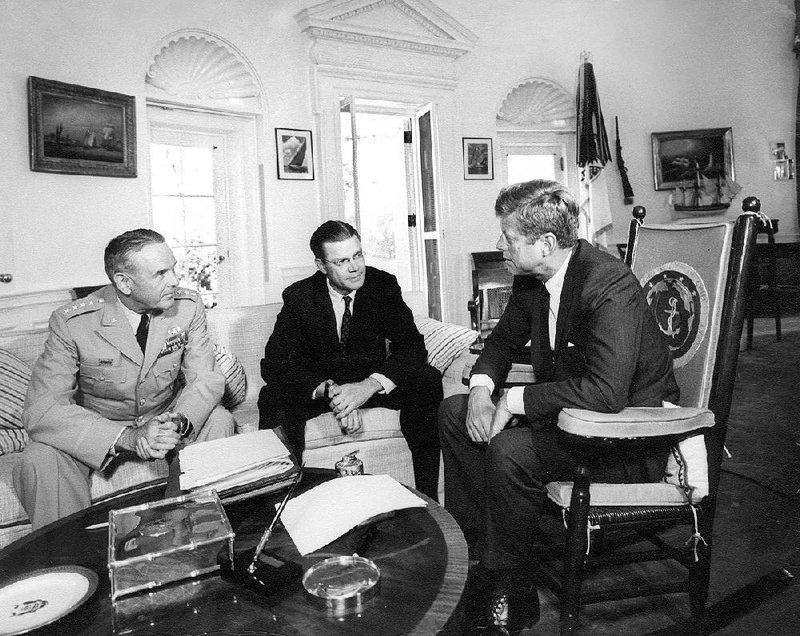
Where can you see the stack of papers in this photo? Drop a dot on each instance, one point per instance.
(326, 512)
(237, 465)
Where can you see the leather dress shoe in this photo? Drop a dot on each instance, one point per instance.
(504, 604)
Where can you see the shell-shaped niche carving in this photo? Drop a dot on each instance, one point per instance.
(536, 101)
(193, 67)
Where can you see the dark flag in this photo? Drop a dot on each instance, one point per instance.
(591, 131)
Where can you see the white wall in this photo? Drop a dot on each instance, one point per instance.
(660, 65)
(58, 225)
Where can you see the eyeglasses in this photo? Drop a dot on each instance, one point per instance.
(358, 257)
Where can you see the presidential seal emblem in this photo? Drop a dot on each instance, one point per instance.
(678, 299)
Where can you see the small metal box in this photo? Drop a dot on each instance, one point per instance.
(165, 541)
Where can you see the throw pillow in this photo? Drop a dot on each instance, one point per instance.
(235, 377)
(444, 341)
(14, 377)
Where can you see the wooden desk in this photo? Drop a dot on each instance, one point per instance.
(774, 286)
(421, 553)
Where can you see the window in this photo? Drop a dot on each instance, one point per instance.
(204, 197)
(184, 211)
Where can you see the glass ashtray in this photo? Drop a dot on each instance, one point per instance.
(343, 584)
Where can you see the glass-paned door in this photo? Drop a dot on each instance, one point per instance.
(387, 178)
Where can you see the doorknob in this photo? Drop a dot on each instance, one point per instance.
(6, 278)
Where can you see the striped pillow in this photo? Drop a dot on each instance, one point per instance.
(444, 341)
(14, 377)
(235, 377)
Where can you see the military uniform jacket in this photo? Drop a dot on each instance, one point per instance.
(93, 378)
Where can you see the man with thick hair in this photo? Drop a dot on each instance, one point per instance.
(127, 371)
(328, 353)
(594, 345)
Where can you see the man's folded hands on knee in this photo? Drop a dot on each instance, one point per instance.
(154, 439)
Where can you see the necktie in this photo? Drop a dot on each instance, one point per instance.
(346, 318)
(544, 337)
(141, 332)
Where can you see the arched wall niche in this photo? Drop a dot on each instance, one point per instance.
(536, 103)
(192, 66)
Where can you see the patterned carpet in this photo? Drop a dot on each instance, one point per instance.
(764, 426)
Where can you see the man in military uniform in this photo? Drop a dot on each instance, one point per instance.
(127, 371)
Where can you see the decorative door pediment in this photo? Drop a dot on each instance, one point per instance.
(415, 30)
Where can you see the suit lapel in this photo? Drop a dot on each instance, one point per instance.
(324, 306)
(115, 328)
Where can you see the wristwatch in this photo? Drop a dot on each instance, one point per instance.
(185, 427)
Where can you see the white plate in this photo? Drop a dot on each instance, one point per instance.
(43, 596)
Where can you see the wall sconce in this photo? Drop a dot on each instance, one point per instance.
(783, 166)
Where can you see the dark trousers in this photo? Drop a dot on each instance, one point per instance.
(496, 491)
(418, 402)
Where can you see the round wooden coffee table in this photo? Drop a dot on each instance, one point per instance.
(421, 553)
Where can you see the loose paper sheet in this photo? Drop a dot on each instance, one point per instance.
(220, 459)
(326, 512)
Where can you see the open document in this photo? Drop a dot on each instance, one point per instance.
(237, 466)
(326, 512)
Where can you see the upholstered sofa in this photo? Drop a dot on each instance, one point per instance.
(242, 332)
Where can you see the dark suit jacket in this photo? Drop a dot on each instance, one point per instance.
(303, 350)
(609, 352)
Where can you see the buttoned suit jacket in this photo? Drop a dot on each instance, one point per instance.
(303, 349)
(609, 352)
(92, 377)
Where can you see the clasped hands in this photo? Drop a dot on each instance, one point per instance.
(484, 418)
(154, 439)
(345, 399)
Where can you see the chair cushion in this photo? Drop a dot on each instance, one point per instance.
(11, 510)
(444, 341)
(686, 474)
(235, 377)
(14, 377)
(646, 494)
(634, 422)
(376, 423)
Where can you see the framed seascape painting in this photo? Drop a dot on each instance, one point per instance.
(688, 156)
(295, 154)
(478, 158)
(79, 130)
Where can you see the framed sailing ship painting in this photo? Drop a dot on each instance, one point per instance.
(295, 154)
(688, 157)
(80, 130)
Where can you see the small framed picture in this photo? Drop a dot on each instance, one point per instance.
(295, 154)
(478, 158)
(79, 130)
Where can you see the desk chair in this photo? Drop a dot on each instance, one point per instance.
(694, 276)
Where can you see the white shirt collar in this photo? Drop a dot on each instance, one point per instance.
(556, 282)
(133, 317)
(336, 297)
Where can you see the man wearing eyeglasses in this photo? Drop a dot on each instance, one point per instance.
(328, 352)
